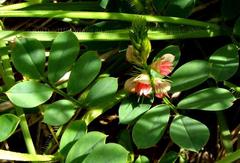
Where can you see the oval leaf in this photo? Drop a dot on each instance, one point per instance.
(63, 53)
(169, 157)
(188, 133)
(189, 75)
(64, 110)
(73, 132)
(84, 146)
(110, 153)
(29, 94)
(9, 123)
(102, 91)
(151, 126)
(224, 62)
(130, 110)
(83, 72)
(28, 57)
(211, 99)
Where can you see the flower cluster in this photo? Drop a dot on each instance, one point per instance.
(143, 85)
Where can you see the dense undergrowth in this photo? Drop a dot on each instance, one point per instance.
(119, 81)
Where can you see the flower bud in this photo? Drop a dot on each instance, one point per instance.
(161, 88)
(133, 55)
(146, 49)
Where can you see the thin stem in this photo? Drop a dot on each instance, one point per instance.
(167, 102)
(224, 132)
(17, 6)
(231, 157)
(117, 35)
(104, 16)
(25, 130)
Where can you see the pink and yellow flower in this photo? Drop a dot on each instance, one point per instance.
(164, 65)
(141, 85)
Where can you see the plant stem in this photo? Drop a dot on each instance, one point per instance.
(16, 156)
(231, 157)
(16, 6)
(115, 35)
(104, 16)
(224, 132)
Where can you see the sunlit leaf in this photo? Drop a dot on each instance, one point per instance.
(28, 94)
(9, 123)
(63, 53)
(64, 110)
(110, 153)
(28, 57)
(83, 72)
(73, 132)
(188, 133)
(150, 127)
(84, 146)
(189, 75)
(129, 110)
(211, 99)
(102, 91)
(224, 62)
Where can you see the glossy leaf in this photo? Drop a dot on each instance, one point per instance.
(188, 133)
(224, 62)
(172, 49)
(64, 110)
(142, 159)
(169, 157)
(63, 53)
(129, 110)
(211, 99)
(179, 8)
(84, 72)
(29, 94)
(84, 146)
(28, 57)
(9, 123)
(73, 132)
(149, 129)
(189, 75)
(110, 153)
(102, 91)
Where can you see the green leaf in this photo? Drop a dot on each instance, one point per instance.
(74, 131)
(149, 129)
(84, 146)
(172, 49)
(142, 159)
(29, 94)
(179, 8)
(125, 140)
(211, 99)
(102, 91)
(189, 75)
(188, 133)
(129, 110)
(9, 123)
(169, 157)
(230, 8)
(28, 57)
(236, 28)
(110, 153)
(63, 53)
(84, 72)
(64, 110)
(224, 62)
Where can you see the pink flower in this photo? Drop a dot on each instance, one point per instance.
(161, 88)
(164, 65)
(140, 85)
